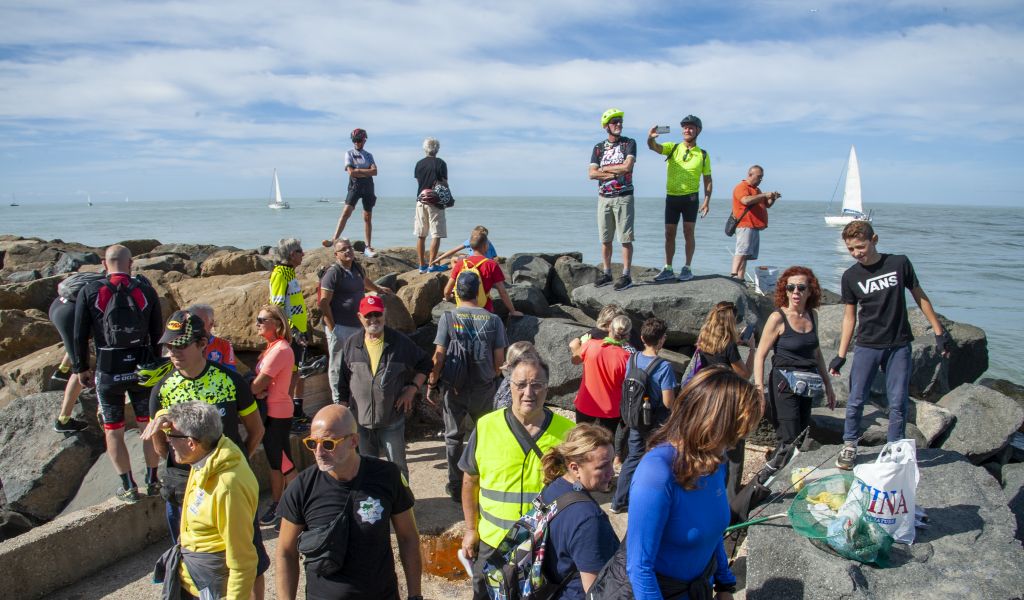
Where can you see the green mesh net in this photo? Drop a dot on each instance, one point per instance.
(822, 513)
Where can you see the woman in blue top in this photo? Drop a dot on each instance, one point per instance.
(678, 509)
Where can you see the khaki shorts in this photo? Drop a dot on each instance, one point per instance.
(748, 242)
(429, 219)
(615, 216)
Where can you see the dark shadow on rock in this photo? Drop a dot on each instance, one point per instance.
(950, 520)
(435, 515)
(778, 588)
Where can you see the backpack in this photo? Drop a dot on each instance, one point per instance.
(465, 357)
(456, 359)
(123, 324)
(481, 294)
(514, 570)
(637, 394)
(69, 287)
(696, 364)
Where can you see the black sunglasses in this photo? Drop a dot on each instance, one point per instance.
(262, 320)
(796, 286)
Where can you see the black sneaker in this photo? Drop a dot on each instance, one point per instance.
(129, 496)
(153, 488)
(603, 279)
(269, 517)
(72, 426)
(454, 492)
(847, 457)
(59, 377)
(623, 283)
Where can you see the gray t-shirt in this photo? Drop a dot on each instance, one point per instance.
(475, 324)
(347, 287)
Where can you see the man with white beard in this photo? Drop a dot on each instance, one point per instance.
(381, 374)
(346, 557)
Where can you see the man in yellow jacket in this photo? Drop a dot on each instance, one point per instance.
(218, 558)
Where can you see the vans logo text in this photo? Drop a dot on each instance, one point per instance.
(880, 282)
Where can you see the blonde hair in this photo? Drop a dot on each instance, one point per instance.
(620, 328)
(719, 329)
(581, 441)
(284, 328)
(608, 312)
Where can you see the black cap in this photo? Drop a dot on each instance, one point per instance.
(182, 329)
(467, 285)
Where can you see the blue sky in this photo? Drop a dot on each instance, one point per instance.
(182, 100)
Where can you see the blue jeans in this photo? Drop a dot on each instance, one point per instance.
(472, 402)
(895, 362)
(389, 440)
(636, 442)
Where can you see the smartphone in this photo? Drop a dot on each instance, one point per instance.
(747, 332)
(660, 129)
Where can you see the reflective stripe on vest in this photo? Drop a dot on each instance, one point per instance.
(509, 479)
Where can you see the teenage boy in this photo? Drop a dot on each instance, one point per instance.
(874, 288)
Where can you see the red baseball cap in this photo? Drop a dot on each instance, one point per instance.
(371, 304)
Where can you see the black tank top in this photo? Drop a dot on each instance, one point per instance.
(795, 350)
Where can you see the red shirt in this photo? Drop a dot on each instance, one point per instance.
(604, 369)
(490, 274)
(757, 218)
(219, 350)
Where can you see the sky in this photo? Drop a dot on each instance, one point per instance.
(202, 100)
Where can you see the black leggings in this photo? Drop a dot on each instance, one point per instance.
(62, 314)
(277, 443)
(788, 413)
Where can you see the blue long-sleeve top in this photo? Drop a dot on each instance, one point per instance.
(672, 531)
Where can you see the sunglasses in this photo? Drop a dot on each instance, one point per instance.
(615, 121)
(167, 432)
(790, 287)
(262, 320)
(329, 444)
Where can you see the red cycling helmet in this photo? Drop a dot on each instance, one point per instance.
(358, 135)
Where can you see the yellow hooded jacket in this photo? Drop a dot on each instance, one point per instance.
(217, 516)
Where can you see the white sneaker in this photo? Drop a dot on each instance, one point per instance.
(369, 252)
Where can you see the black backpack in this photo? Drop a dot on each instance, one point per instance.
(464, 359)
(636, 393)
(123, 323)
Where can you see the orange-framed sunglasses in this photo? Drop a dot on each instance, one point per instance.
(329, 443)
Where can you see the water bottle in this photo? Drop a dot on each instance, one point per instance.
(645, 412)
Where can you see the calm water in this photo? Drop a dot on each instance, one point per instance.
(969, 260)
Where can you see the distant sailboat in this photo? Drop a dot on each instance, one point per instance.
(88, 198)
(853, 210)
(276, 202)
(14, 200)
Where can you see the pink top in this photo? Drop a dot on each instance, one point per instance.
(277, 361)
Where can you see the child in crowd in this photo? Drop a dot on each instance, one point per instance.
(466, 248)
(874, 288)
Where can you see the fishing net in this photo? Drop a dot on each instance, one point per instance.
(823, 513)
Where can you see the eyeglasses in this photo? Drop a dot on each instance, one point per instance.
(178, 436)
(329, 444)
(790, 287)
(374, 315)
(262, 320)
(534, 386)
(615, 121)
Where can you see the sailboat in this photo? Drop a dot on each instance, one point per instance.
(853, 210)
(276, 202)
(88, 198)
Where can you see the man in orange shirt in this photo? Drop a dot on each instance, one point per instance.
(750, 206)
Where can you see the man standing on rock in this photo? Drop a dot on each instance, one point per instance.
(361, 169)
(122, 315)
(429, 218)
(286, 292)
(611, 164)
(349, 557)
(686, 164)
(381, 373)
(750, 205)
(480, 337)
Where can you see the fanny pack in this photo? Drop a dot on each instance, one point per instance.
(324, 548)
(802, 383)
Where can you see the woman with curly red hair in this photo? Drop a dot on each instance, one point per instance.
(798, 372)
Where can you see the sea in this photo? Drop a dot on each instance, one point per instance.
(969, 259)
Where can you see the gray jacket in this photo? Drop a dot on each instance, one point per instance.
(372, 397)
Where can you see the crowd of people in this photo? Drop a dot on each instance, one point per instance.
(506, 451)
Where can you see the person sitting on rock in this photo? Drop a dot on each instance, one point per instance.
(490, 274)
(466, 247)
(218, 349)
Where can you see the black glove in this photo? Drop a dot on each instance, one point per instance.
(943, 341)
(837, 363)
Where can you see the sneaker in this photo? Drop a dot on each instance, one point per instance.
(685, 274)
(424, 269)
(269, 517)
(603, 279)
(313, 367)
(454, 492)
(59, 377)
(438, 268)
(130, 496)
(153, 488)
(72, 426)
(618, 510)
(847, 457)
(369, 252)
(666, 274)
(623, 283)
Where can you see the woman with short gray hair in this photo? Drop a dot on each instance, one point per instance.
(429, 218)
(197, 420)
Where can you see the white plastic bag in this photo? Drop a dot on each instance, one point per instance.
(890, 486)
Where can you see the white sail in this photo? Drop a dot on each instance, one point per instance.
(277, 203)
(851, 192)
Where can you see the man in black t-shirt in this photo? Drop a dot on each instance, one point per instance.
(611, 164)
(874, 290)
(429, 219)
(375, 496)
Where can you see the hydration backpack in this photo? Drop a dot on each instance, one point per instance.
(638, 394)
(69, 287)
(514, 571)
(481, 294)
(123, 323)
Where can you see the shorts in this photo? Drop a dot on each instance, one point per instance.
(111, 390)
(429, 219)
(62, 315)
(277, 444)
(615, 216)
(685, 206)
(361, 191)
(748, 242)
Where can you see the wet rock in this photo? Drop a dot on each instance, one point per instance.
(237, 262)
(551, 337)
(985, 420)
(29, 374)
(389, 281)
(967, 552)
(36, 294)
(528, 299)
(24, 332)
(1013, 489)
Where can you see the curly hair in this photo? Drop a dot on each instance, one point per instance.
(715, 410)
(813, 289)
(719, 328)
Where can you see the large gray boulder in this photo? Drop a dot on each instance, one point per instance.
(985, 420)
(167, 262)
(531, 270)
(569, 274)
(968, 551)
(683, 305)
(1007, 388)
(1013, 489)
(827, 426)
(195, 252)
(551, 337)
(43, 469)
(527, 299)
(71, 261)
(931, 419)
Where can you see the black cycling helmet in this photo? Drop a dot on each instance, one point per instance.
(691, 120)
(358, 135)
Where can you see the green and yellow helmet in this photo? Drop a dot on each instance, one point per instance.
(610, 114)
(151, 373)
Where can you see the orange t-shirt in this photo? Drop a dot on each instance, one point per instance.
(757, 218)
(219, 350)
(604, 369)
(277, 361)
